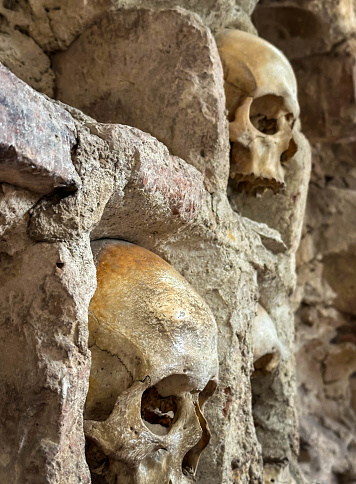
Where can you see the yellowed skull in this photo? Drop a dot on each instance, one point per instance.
(261, 99)
(154, 364)
(267, 347)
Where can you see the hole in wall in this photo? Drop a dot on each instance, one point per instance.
(304, 455)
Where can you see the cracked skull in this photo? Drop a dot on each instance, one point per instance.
(261, 99)
(154, 364)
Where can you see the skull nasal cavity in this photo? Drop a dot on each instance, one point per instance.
(264, 112)
(158, 412)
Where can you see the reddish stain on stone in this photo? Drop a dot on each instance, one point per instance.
(180, 185)
(36, 137)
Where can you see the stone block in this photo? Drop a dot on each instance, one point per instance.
(44, 362)
(36, 139)
(27, 61)
(15, 202)
(157, 71)
(53, 25)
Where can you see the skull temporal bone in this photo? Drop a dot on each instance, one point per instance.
(261, 99)
(154, 363)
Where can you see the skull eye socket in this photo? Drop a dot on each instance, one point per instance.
(265, 111)
(263, 124)
(157, 412)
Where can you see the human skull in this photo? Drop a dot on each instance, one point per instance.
(261, 99)
(267, 347)
(153, 342)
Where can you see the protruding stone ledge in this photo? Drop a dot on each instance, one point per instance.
(36, 138)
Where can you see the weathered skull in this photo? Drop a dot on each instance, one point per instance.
(261, 99)
(267, 347)
(154, 364)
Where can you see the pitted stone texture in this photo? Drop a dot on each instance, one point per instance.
(36, 139)
(129, 172)
(215, 14)
(157, 71)
(275, 415)
(231, 290)
(326, 375)
(169, 191)
(52, 25)
(26, 59)
(319, 38)
(45, 292)
(14, 204)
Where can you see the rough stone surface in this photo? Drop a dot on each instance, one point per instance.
(276, 423)
(326, 319)
(44, 371)
(31, 31)
(107, 167)
(321, 46)
(54, 25)
(215, 14)
(36, 139)
(132, 63)
(133, 187)
(26, 59)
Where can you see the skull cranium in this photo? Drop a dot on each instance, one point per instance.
(154, 364)
(261, 99)
(267, 347)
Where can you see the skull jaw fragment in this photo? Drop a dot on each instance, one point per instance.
(261, 99)
(154, 364)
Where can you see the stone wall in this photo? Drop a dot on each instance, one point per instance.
(71, 173)
(319, 39)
